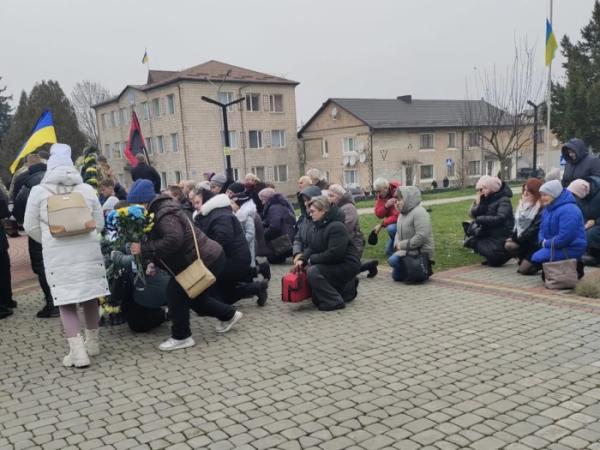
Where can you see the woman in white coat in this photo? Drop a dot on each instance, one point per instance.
(74, 264)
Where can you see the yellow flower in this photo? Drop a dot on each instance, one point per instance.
(122, 212)
(148, 228)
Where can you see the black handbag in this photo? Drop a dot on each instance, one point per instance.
(281, 245)
(372, 240)
(416, 266)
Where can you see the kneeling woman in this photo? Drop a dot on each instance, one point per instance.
(562, 233)
(413, 230)
(331, 257)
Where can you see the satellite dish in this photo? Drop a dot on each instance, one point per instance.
(352, 160)
(334, 112)
(362, 157)
(346, 160)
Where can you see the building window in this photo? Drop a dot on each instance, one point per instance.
(426, 172)
(160, 144)
(232, 139)
(349, 145)
(255, 139)
(280, 174)
(116, 149)
(171, 104)
(426, 141)
(276, 103)
(451, 140)
(145, 111)
(252, 102)
(450, 170)
(236, 174)
(107, 151)
(122, 152)
(351, 178)
(226, 97)
(541, 135)
(104, 122)
(163, 180)
(156, 107)
(149, 145)
(113, 119)
(175, 142)
(474, 140)
(177, 177)
(474, 168)
(324, 148)
(259, 171)
(278, 138)
(123, 116)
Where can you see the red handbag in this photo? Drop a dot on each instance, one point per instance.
(295, 287)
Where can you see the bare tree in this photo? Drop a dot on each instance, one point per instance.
(85, 94)
(501, 119)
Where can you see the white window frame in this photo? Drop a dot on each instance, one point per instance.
(171, 103)
(272, 103)
(104, 121)
(156, 108)
(174, 142)
(324, 148)
(178, 176)
(478, 138)
(452, 147)
(108, 151)
(160, 144)
(259, 137)
(356, 176)
(164, 180)
(346, 146)
(421, 172)
(227, 97)
(113, 119)
(448, 174)
(249, 101)
(233, 144)
(255, 171)
(281, 133)
(150, 145)
(277, 173)
(469, 168)
(145, 111)
(236, 173)
(116, 150)
(421, 147)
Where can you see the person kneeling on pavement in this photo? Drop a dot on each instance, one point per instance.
(562, 233)
(413, 231)
(492, 223)
(330, 257)
(587, 196)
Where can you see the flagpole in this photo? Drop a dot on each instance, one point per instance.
(548, 102)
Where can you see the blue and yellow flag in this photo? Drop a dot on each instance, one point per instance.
(43, 133)
(551, 44)
(145, 58)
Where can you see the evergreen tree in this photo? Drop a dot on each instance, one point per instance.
(5, 110)
(576, 104)
(15, 137)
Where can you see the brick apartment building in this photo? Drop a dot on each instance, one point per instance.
(184, 135)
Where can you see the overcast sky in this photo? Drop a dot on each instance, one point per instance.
(334, 48)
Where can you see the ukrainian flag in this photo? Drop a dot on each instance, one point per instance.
(43, 133)
(551, 44)
(145, 58)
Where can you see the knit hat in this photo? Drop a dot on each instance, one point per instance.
(218, 180)
(552, 188)
(60, 156)
(236, 188)
(492, 183)
(580, 188)
(554, 174)
(311, 191)
(142, 191)
(266, 194)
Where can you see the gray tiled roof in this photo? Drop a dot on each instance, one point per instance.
(398, 113)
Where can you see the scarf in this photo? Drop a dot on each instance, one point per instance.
(525, 215)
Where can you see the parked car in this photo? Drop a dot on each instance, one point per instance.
(529, 172)
(357, 194)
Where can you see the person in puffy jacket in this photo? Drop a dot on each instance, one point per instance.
(414, 231)
(304, 226)
(330, 257)
(562, 233)
(170, 245)
(6, 297)
(493, 221)
(587, 196)
(278, 221)
(386, 210)
(580, 163)
(523, 242)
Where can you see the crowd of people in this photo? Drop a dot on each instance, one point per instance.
(238, 229)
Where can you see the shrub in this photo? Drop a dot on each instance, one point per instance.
(590, 289)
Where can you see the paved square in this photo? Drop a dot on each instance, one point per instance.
(469, 360)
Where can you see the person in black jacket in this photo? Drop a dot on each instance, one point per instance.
(493, 221)
(144, 171)
(279, 222)
(6, 301)
(524, 242)
(217, 221)
(36, 172)
(587, 195)
(580, 163)
(331, 257)
(253, 186)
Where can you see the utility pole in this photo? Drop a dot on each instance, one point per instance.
(226, 149)
(535, 134)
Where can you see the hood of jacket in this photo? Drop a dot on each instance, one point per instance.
(411, 196)
(563, 199)
(594, 186)
(334, 214)
(63, 175)
(347, 199)
(39, 167)
(218, 201)
(578, 146)
(163, 204)
(277, 199)
(247, 209)
(310, 192)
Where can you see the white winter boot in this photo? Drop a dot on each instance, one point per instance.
(92, 343)
(77, 356)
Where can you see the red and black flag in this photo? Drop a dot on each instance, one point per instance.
(136, 143)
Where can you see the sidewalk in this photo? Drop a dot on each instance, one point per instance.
(20, 267)
(477, 358)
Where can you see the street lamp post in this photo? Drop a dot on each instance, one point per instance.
(226, 149)
(535, 134)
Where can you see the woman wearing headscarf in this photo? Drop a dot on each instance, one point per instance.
(278, 222)
(587, 196)
(562, 233)
(523, 242)
(493, 221)
(78, 278)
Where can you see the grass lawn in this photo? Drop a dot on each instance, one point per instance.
(447, 234)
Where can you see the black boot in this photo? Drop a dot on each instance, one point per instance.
(48, 311)
(265, 270)
(262, 293)
(5, 312)
(371, 266)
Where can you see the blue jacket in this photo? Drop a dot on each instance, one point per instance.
(562, 227)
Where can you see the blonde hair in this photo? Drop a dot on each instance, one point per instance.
(320, 202)
(337, 189)
(380, 184)
(314, 174)
(251, 177)
(304, 178)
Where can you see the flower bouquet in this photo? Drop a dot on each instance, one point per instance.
(129, 225)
